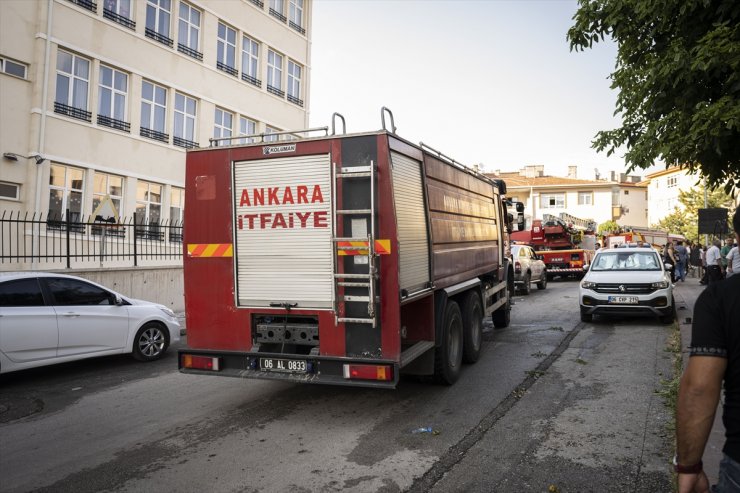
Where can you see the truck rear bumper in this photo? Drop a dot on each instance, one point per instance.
(327, 370)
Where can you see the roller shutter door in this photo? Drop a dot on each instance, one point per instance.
(283, 228)
(408, 195)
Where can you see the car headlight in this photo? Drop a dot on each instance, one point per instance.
(588, 285)
(167, 311)
(659, 285)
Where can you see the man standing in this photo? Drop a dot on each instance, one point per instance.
(723, 255)
(681, 261)
(733, 261)
(714, 356)
(714, 268)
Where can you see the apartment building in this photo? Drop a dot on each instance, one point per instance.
(102, 99)
(617, 197)
(664, 188)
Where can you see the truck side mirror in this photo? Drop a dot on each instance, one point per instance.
(520, 221)
(509, 222)
(520, 207)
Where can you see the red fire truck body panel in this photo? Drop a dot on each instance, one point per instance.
(280, 285)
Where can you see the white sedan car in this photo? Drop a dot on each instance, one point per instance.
(627, 281)
(50, 318)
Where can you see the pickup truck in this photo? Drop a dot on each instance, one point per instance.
(528, 268)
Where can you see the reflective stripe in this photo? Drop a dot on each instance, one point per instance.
(210, 249)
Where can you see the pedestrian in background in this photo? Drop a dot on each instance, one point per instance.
(669, 257)
(695, 258)
(733, 261)
(723, 255)
(714, 267)
(704, 277)
(682, 258)
(714, 357)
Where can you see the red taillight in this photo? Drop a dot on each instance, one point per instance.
(517, 266)
(199, 362)
(369, 372)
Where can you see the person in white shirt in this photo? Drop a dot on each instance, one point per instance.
(733, 261)
(714, 270)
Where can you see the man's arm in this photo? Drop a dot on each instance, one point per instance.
(698, 397)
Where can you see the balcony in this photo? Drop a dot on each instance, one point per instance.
(189, 52)
(106, 121)
(152, 34)
(86, 4)
(295, 100)
(124, 21)
(278, 15)
(252, 80)
(297, 27)
(187, 144)
(78, 113)
(154, 135)
(275, 91)
(258, 3)
(227, 68)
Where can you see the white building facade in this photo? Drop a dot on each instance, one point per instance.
(664, 188)
(103, 99)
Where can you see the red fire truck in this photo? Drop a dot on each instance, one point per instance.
(565, 242)
(340, 259)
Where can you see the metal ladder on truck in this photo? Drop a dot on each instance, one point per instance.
(365, 246)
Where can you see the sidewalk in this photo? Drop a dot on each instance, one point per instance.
(685, 294)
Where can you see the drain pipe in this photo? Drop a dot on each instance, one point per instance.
(44, 97)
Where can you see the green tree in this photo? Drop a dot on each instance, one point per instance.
(608, 227)
(684, 220)
(678, 76)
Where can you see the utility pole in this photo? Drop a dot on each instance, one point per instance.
(706, 205)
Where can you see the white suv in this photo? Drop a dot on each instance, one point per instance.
(627, 281)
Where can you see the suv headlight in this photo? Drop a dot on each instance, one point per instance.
(659, 285)
(588, 285)
(168, 312)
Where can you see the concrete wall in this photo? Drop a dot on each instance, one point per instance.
(156, 284)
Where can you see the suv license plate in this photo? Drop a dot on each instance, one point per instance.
(624, 300)
(283, 365)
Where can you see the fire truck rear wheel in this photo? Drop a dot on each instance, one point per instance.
(472, 318)
(448, 355)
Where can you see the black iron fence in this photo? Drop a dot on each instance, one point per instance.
(26, 238)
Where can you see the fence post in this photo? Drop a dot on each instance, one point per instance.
(69, 225)
(136, 264)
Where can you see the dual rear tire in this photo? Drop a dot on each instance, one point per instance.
(462, 337)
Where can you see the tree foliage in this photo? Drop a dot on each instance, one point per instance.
(608, 227)
(685, 220)
(678, 76)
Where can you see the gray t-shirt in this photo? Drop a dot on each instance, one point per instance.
(682, 254)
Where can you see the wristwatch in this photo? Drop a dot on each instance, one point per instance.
(681, 469)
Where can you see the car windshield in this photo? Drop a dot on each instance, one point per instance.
(626, 261)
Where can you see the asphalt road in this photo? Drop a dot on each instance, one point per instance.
(118, 425)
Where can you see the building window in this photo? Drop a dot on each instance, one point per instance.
(270, 134)
(247, 127)
(189, 31)
(177, 207)
(615, 198)
(148, 210)
(250, 61)
(73, 75)
(153, 111)
(65, 194)
(112, 99)
(275, 73)
(277, 10)
(119, 11)
(226, 49)
(158, 20)
(295, 15)
(10, 191)
(223, 125)
(552, 201)
(294, 83)
(626, 192)
(13, 68)
(105, 185)
(184, 126)
(585, 198)
(672, 181)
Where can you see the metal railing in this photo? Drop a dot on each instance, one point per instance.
(32, 238)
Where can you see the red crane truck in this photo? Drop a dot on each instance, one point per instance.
(566, 243)
(340, 259)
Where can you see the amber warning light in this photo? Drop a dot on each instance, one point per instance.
(200, 362)
(368, 372)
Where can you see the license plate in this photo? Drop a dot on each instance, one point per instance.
(283, 365)
(624, 300)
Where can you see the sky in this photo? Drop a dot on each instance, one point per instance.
(490, 82)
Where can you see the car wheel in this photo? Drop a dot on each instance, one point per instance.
(151, 342)
(448, 355)
(671, 316)
(586, 317)
(527, 288)
(543, 281)
(472, 319)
